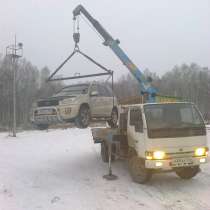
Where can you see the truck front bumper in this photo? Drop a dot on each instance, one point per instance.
(174, 163)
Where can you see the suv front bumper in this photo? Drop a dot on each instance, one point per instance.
(46, 115)
(54, 115)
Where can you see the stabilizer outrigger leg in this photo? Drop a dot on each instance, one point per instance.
(110, 176)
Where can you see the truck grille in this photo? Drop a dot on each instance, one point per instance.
(179, 155)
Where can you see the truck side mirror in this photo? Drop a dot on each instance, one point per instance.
(94, 93)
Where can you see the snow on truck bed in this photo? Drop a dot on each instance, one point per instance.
(62, 170)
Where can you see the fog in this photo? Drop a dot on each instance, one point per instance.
(154, 34)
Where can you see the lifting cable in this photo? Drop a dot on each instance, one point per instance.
(76, 37)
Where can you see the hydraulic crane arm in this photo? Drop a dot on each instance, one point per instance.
(144, 85)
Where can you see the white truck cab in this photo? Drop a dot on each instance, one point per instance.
(159, 137)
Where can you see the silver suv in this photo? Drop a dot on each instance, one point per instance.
(79, 103)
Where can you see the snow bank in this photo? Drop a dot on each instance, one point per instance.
(62, 170)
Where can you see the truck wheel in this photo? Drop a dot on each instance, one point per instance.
(187, 172)
(114, 117)
(138, 171)
(105, 152)
(42, 127)
(83, 118)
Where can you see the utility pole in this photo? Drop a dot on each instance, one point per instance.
(14, 51)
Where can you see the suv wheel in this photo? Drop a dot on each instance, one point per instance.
(114, 117)
(83, 118)
(42, 126)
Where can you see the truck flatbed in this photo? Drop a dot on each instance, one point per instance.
(103, 134)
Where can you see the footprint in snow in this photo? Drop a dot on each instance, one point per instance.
(55, 199)
(7, 192)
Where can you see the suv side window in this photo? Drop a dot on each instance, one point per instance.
(93, 88)
(136, 119)
(108, 91)
(102, 91)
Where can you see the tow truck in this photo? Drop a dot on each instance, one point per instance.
(159, 135)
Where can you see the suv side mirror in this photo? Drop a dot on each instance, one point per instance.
(94, 93)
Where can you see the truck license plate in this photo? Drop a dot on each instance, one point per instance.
(180, 162)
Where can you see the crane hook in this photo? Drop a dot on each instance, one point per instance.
(76, 37)
(76, 34)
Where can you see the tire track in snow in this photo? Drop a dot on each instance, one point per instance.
(174, 197)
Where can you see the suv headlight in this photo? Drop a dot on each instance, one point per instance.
(201, 151)
(67, 101)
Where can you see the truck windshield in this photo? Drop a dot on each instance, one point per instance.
(73, 90)
(172, 115)
(169, 120)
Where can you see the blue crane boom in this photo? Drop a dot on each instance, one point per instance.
(144, 84)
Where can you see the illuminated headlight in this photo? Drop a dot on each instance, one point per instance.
(156, 155)
(202, 151)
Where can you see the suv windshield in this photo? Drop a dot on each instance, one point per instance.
(73, 90)
(170, 119)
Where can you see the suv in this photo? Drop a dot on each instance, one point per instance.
(77, 103)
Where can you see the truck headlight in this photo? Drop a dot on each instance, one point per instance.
(159, 155)
(202, 151)
(156, 155)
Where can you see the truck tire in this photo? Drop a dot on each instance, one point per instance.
(105, 152)
(138, 172)
(83, 118)
(42, 126)
(114, 117)
(187, 172)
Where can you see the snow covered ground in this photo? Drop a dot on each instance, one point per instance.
(62, 170)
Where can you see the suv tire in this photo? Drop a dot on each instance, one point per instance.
(83, 118)
(114, 117)
(42, 126)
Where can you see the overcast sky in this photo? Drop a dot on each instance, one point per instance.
(155, 34)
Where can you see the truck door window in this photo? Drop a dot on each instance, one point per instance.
(136, 119)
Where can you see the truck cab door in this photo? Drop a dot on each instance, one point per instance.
(135, 130)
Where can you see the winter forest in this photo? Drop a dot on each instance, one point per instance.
(190, 82)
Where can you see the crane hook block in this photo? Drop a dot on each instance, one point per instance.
(76, 37)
